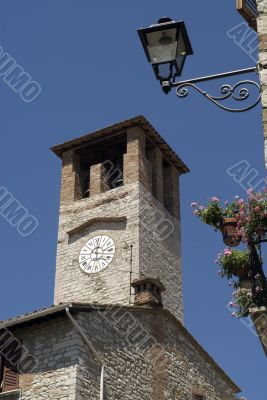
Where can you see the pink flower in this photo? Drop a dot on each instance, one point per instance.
(249, 191)
(226, 202)
(257, 209)
(258, 289)
(240, 201)
(227, 252)
(215, 199)
(257, 276)
(194, 204)
(231, 304)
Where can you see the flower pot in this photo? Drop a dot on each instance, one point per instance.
(245, 283)
(242, 272)
(228, 229)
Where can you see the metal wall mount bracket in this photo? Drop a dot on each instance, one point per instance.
(239, 92)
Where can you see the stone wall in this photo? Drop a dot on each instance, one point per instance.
(111, 285)
(147, 355)
(262, 32)
(160, 250)
(153, 232)
(56, 346)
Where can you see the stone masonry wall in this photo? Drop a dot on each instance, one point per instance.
(56, 346)
(160, 250)
(111, 285)
(145, 227)
(262, 32)
(147, 355)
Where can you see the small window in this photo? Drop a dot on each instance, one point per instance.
(199, 397)
(9, 364)
(9, 376)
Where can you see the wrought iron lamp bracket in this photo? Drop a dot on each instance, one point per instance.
(237, 92)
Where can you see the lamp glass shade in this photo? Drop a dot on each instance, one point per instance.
(162, 46)
(181, 53)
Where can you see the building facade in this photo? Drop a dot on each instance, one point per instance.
(262, 33)
(116, 329)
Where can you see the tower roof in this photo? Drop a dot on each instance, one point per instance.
(112, 129)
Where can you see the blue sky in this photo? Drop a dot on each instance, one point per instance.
(87, 57)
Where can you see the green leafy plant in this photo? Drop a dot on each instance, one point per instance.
(214, 212)
(260, 298)
(232, 261)
(251, 215)
(243, 302)
(250, 226)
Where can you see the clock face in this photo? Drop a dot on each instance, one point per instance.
(97, 254)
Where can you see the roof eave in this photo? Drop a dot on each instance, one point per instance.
(136, 121)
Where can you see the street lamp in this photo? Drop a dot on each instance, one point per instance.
(167, 45)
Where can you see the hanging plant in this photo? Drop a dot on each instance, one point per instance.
(221, 218)
(252, 217)
(239, 220)
(234, 263)
(242, 302)
(243, 299)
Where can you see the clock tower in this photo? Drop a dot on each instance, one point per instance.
(119, 216)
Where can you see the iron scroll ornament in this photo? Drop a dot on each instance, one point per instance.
(236, 92)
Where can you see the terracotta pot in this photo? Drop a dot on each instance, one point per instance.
(245, 283)
(242, 273)
(228, 229)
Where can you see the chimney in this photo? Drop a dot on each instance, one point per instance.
(148, 292)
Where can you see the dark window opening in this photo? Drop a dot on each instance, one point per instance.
(150, 156)
(109, 153)
(113, 172)
(168, 189)
(9, 375)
